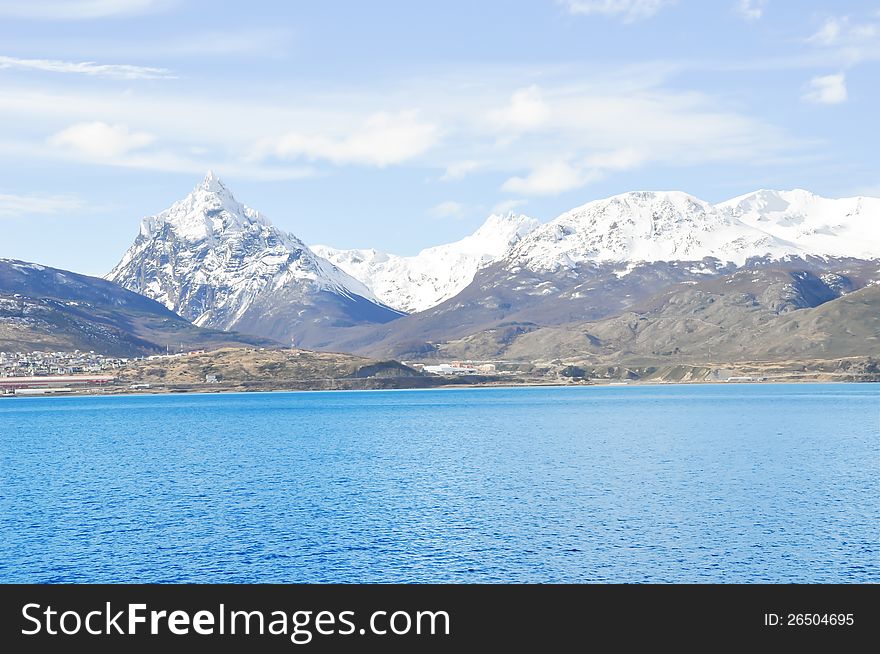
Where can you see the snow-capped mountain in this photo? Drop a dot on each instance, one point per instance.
(621, 254)
(831, 227)
(223, 265)
(435, 274)
(673, 226)
(645, 227)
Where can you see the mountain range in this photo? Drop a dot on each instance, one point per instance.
(638, 276)
(622, 254)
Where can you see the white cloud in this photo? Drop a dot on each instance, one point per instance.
(829, 33)
(460, 170)
(600, 124)
(629, 10)
(383, 139)
(559, 176)
(595, 130)
(866, 32)
(78, 9)
(506, 206)
(827, 89)
(24, 205)
(97, 139)
(617, 159)
(448, 209)
(750, 9)
(241, 41)
(549, 179)
(119, 71)
(269, 43)
(526, 110)
(841, 31)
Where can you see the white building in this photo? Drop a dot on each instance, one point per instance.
(446, 369)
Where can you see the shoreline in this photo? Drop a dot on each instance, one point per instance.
(249, 371)
(440, 387)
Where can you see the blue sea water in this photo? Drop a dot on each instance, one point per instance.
(717, 483)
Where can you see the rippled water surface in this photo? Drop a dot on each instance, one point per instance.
(730, 483)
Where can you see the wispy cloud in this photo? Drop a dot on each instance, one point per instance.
(526, 110)
(506, 206)
(25, 205)
(97, 139)
(750, 9)
(843, 43)
(270, 43)
(828, 34)
(190, 161)
(841, 30)
(592, 132)
(827, 89)
(118, 71)
(550, 179)
(267, 42)
(460, 170)
(448, 209)
(629, 10)
(79, 9)
(383, 139)
(573, 134)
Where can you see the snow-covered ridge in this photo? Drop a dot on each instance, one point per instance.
(209, 257)
(674, 226)
(831, 227)
(435, 274)
(21, 265)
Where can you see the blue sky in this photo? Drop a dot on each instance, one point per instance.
(400, 125)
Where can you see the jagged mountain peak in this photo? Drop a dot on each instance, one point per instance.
(213, 189)
(209, 210)
(212, 183)
(223, 264)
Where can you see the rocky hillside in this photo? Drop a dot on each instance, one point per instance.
(44, 309)
(276, 368)
(764, 314)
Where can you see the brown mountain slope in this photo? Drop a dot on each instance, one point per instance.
(751, 315)
(47, 309)
(484, 319)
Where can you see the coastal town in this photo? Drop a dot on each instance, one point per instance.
(43, 364)
(42, 373)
